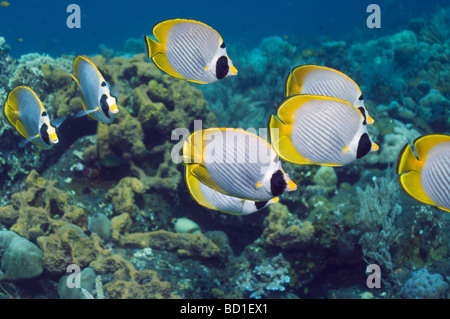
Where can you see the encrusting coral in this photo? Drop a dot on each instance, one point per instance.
(284, 230)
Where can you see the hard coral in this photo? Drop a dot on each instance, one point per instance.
(284, 230)
(186, 245)
(42, 208)
(122, 196)
(68, 245)
(128, 282)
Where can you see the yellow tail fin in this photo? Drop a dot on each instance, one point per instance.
(153, 47)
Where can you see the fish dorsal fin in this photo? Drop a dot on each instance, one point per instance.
(294, 81)
(76, 80)
(78, 60)
(425, 143)
(193, 185)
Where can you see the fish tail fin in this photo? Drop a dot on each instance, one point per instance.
(281, 142)
(408, 170)
(407, 161)
(153, 47)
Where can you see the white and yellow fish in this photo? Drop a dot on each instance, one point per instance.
(320, 80)
(212, 199)
(25, 112)
(321, 130)
(99, 100)
(236, 163)
(190, 50)
(427, 176)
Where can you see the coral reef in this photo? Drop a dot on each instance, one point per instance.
(423, 285)
(266, 279)
(375, 221)
(285, 231)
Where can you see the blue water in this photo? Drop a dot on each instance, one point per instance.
(42, 24)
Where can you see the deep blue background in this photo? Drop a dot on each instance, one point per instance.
(42, 24)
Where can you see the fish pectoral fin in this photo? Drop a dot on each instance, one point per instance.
(258, 185)
(24, 142)
(57, 122)
(375, 147)
(345, 150)
(86, 112)
(369, 120)
(115, 90)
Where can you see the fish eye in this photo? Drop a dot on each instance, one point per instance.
(44, 113)
(364, 146)
(222, 67)
(103, 83)
(361, 97)
(222, 45)
(277, 183)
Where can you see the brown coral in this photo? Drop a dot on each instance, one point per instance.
(68, 245)
(42, 208)
(130, 283)
(283, 230)
(186, 245)
(122, 196)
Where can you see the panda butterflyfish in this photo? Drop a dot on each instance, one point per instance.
(321, 130)
(25, 112)
(99, 100)
(236, 163)
(212, 199)
(189, 50)
(320, 80)
(427, 176)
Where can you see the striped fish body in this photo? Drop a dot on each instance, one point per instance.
(26, 113)
(426, 177)
(95, 92)
(215, 200)
(237, 163)
(190, 50)
(435, 176)
(319, 80)
(320, 130)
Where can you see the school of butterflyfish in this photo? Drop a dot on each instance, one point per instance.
(321, 121)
